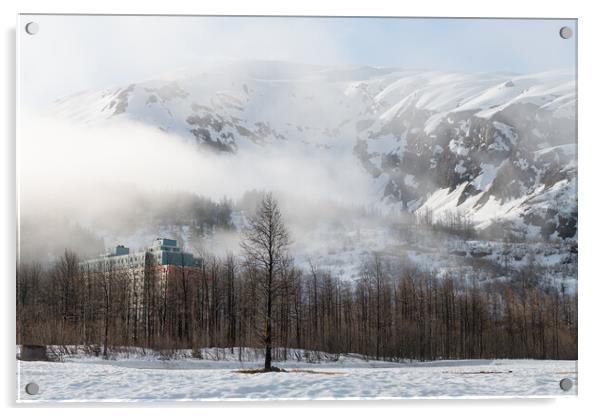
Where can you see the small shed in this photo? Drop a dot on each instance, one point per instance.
(34, 353)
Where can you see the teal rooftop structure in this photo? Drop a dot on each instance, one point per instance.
(163, 251)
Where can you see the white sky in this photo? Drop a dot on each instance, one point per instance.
(75, 53)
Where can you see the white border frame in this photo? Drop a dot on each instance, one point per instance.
(590, 199)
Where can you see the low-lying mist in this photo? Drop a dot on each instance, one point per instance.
(89, 187)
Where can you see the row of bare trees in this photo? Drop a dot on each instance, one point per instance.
(386, 315)
(261, 299)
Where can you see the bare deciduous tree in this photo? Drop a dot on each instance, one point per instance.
(265, 244)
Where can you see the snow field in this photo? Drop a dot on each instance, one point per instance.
(188, 380)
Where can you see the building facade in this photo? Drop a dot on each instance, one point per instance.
(150, 280)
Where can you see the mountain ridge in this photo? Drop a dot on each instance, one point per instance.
(497, 148)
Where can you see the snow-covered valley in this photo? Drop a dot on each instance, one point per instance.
(264, 208)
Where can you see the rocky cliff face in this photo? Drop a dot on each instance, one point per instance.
(498, 148)
(519, 163)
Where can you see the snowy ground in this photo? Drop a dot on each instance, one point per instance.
(137, 379)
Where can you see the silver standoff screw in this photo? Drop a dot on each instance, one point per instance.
(566, 32)
(32, 388)
(566, 384)
(32, 28)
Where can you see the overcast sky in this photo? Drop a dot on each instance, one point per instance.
(75, 53)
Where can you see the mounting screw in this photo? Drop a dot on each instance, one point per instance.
(32, 28)
(32, 388)
(566, 32)
(566, 384)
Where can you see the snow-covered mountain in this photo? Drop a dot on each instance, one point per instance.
(499, 147)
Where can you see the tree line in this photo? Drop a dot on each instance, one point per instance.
(394, 311)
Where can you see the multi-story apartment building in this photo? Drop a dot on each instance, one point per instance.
(151, 279)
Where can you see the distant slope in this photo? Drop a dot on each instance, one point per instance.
(500, 148)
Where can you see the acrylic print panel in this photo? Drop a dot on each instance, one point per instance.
(285, 207)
